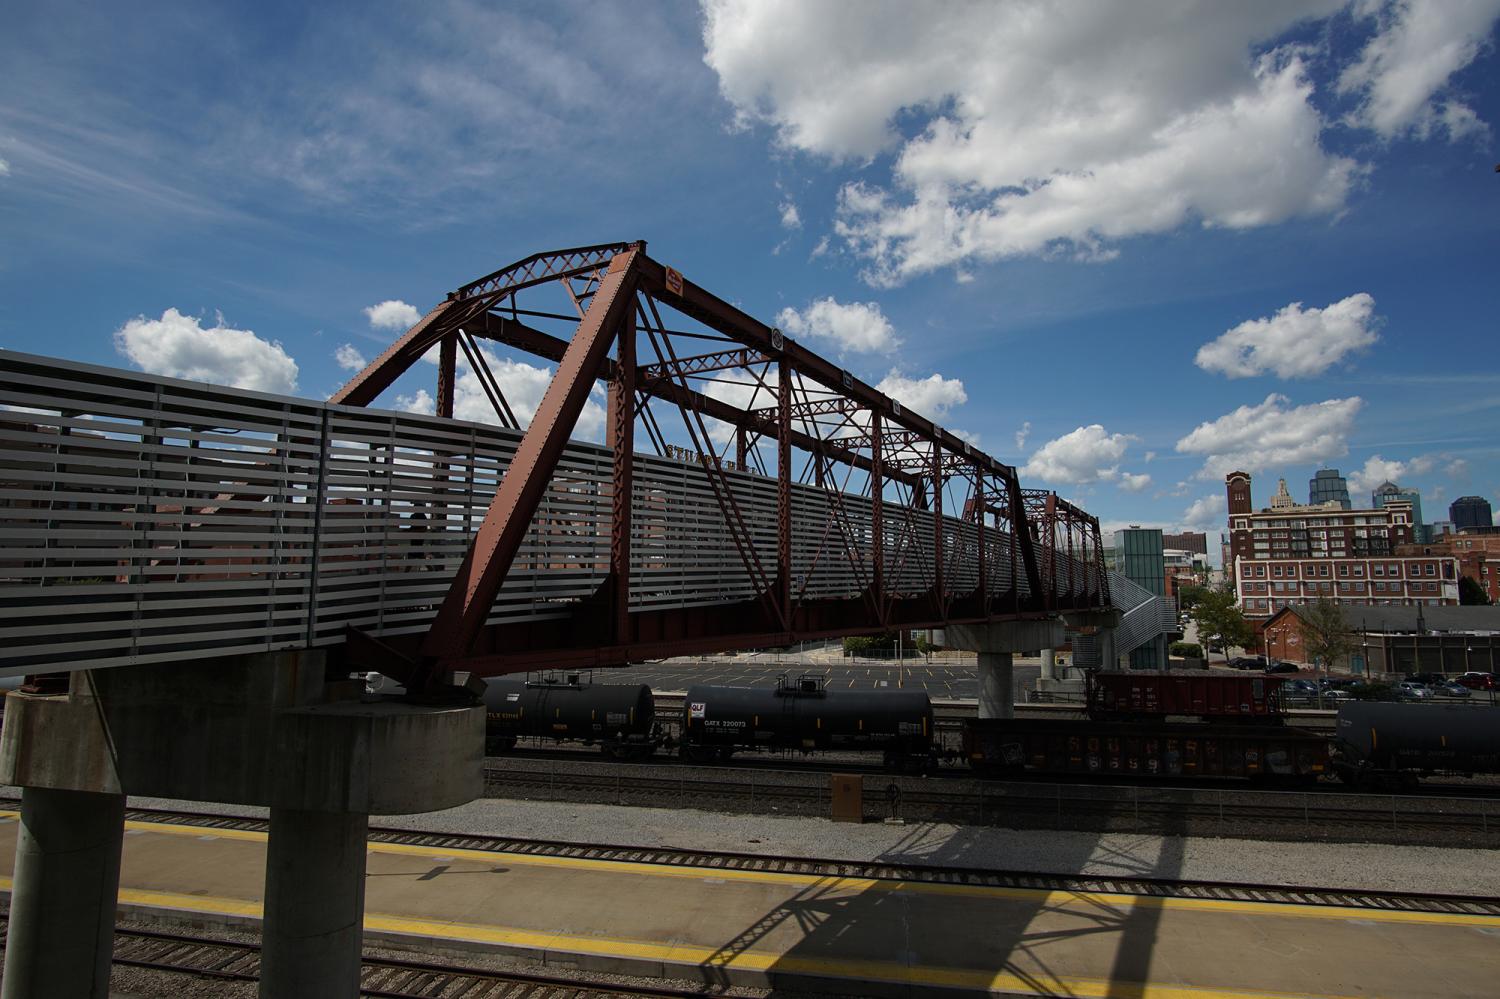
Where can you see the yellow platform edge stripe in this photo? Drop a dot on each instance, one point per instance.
(1038, 896)
(714, 958)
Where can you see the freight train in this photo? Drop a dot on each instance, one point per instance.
(1140, 724)
(1156, 725)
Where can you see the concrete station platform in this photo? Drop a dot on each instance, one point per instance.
(844, 935)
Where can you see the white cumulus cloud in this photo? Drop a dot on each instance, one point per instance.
(1207, 513)
(1295, 342)
(523, 385)
(1134, 482)
(393, 314)
(933, 397)
(421, 403)
(853, 326)
(1035, 128)
(1401, 77)
(790, 217)
(1378, 470)
(182, 347)
(349, 358)
(1088, 454)
(1022, 434)
(1272, 433)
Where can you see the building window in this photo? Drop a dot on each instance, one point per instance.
(1344, 569)
(1359, 571)
(1276, 570)
(1429, 569)
(1260, 572)
(1379, 570)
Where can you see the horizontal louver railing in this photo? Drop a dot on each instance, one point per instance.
(150, 519)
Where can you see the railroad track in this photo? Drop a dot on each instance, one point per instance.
(1264, 814)
(771, 765)
(882, 870)
(387, 978)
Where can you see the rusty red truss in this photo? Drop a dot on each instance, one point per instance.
(806, 504)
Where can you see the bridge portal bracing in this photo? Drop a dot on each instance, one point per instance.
(748, 493)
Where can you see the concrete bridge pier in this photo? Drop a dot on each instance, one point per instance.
(995, 645)
(1049, 664)
(268, 730)
(62, 899)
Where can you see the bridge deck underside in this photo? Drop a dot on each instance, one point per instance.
(148, 519)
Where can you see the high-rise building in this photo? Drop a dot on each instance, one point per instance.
(1471, 511)
(1388, 492)
(1328, 485)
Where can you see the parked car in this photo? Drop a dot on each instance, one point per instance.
(1337, 694)
(1409, 690)
(1281, 668)
(1478, 681)
(1425, 679)
(1450, 688)
(1337, 682)
(1248, 662)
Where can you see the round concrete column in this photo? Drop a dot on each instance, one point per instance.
(1049, 664)
(315, 904)
(997, 690)
(62, 903)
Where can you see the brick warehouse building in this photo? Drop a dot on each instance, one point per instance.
(1394, 641)
(1296, 553)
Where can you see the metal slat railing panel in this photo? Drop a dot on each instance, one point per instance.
(160, 519)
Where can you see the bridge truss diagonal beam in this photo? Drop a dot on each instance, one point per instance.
(885, 522)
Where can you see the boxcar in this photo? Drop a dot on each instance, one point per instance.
(1211, 696)
(801, 715)
(1044, 747)
(619, 717)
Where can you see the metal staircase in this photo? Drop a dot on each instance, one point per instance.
(1146, 616)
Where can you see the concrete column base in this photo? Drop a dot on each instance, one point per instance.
(315, 903)
(1049, 664)
(997, 687)
(61, 936)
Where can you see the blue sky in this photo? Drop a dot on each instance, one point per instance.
(1136, 243)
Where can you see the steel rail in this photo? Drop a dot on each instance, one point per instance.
(883, 870)
(384, 977)
(1241, 814)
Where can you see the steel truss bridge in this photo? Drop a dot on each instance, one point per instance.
(748, 493)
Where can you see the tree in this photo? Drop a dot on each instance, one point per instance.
(1220, 623)
(1471, 594)
(1326, 636)
(1188, 597)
